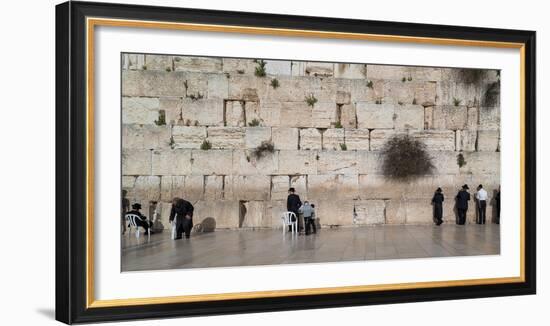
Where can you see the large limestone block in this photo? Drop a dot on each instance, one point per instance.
(297, 162)
(470, 75)
(152, 83)
(408, 92)
(197, 64)
(489, 118)
(419, 211)
(255, 214)
(188, 137)
(171, 106)
(278, 67)
(371, 116)
(213, 161)
(299, 183)
(323, 114)
(285, 138)
(319, 69)
(136, 162)
(376, 186)
(298, 68)
(473, 118)
(370, 162)
(196, 84)
(172, 186)
(194, 188)
(379, 137)
(279, 187)
(488, 140)
(357, 139)
(397, 73)
(450, 117)
(140, 110)
(226, 137)
(436, 140)
(147, 188)
(296, 114)
(338, 162)
(409, 117)
(396, 211)
(277, 208)
(444, 162)
(368, 212)
(244, 87)
(252, 113)
(255, 136)
(224, 212)
(218, 86)
(350, 70)
(145, 137)
(214, 187)
(334, 212)
(239, 66)
(348, 116)
(343, 97)
(247, 187)
(158, 62)
(466, 140)
(204, 112)
(331, 186)
(246, 163)
(360, 91)
(132, 61)
(128, 182)
(270, 114)
(310, 138)
(234, 113)
(333, 139)
(429, 117)
(171, 162)
(452, 92)
(478, 163)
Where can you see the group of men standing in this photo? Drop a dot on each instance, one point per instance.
(462, 199)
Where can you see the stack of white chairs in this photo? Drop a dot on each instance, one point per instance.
(131, 220)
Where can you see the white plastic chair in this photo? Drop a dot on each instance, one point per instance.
(132, 218)
(288, 218)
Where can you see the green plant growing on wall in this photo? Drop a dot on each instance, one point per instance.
(144, 67)
(259, 71)
(378, 101)
(172, 142)
(338, 125)
(195, 97)
(162, 118)
(456, 101)
(404, 79)
(275, 83)
(370, 84)
(399, 102)
(405, 158)
(414, 101)
(343, 147)
(240, 71)
(264, 148)
(168, 69)
(460, 160)
(196, 123)
(254, 123)
(177, 59)
(311, 100)
(206, 145)
(409, 78)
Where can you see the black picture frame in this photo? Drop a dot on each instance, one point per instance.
(71, 158)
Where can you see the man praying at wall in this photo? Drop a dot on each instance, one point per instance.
(481, 197)
(293, 204)
(182, 214)
(462, 199)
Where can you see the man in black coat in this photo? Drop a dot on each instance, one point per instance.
(462, 199)
(142, 220)
(182, 213)
(437, 201)
(293, 203)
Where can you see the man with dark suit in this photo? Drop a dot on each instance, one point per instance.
(182, 214)
(293, 204)
(142, 220)
(462, 199)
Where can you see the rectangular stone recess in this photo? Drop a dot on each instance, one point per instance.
(191, 128)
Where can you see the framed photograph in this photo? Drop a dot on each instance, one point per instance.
(213, 162)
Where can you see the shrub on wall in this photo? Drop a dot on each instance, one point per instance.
(405, 157)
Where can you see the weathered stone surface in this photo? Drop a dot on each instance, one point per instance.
(343, 97)
(152, 83)
(208, 162)
(171, 106)
(360, 91)
(450, 92)
(350, 70)
(450, 117)
(226, 137)
(131, 61)
(136, 162)
(147, 188)
(489, 118)
(171, 162)
(252, 113)
(285, 138)
(234, 114)
(246, 163)
(145, 137)
(203, 112)
(218, 86)
(140, 110)
(297, 162)
(310, 138)
(188, 137)
(224, 212)
(279, 187)
(399, 72)
(408, 92)
(357, 139)
(128, 182)
(429, 117)
(255, 136)
(158, 62)
(298, 68)
(299, 183)
(197, 64)
(466, 140)
(348, 117)
(370, 162)
(196, 84)
(333, 139)
(488, 140)
(277, 208)
(244, 87)
(473, 118)
(323, 114)
(248, 187)
(379, 137)
(239, 66)
(278, 67)
(409, 117)
(445, 162)
(368, 212)
(396, 212)
(270, 113)
(334, 213)
(214, 187)
(418, 211)
(337, 162)
(330, 186)
(319, 69)
(194, 188)
(479, 163)
(255, 214)
(172, 186)
(436, 140)
(370, 116)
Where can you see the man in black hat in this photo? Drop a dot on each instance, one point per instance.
(481, 197)
(142, 220)
(462, 199)
(182, 213)
(293, 204)
(437, 201)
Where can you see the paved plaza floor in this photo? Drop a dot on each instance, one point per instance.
(267, 247)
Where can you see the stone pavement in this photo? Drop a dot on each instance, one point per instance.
(269, 246)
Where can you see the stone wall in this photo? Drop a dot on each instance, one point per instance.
(328, 149)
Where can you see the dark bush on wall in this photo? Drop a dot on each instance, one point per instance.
(405, 158)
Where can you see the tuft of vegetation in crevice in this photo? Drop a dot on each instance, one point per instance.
(195, 97)
(338, 125)
(275, 83)
(378, 101)
(414, 101)
(460, 161)
(343, 147)
(240, 71)
(311, 100)
(254, 123)
(456, 101)
(264, 148)
(370, 84)
(162, 118)
(206, 145)
(405, 158)
(259, 71)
